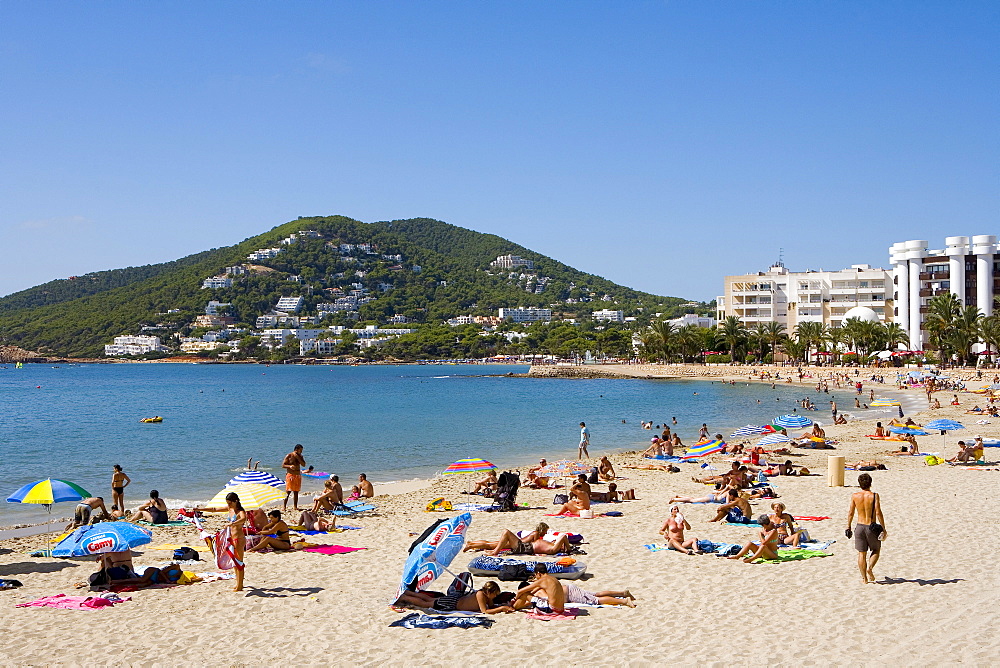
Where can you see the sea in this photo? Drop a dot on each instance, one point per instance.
(75, 421)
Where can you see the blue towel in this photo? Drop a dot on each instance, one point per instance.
(418, 621)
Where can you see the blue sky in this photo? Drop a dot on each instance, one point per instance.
(660, 144)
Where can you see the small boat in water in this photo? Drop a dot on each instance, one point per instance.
(152, 419)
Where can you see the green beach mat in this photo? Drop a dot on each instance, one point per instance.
(793, 555)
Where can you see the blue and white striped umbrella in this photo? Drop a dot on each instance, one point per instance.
(749, 430)
(792, 421)
(774, 439)
(259, 477)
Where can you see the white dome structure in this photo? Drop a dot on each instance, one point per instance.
(861, 313)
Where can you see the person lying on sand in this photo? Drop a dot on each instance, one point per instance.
(533, 543)
(310, 521)
(574, 594)
(169, 574)
(613, 495)
(673, 530)
(719, 496)
(477, 601)
(735, 510)
(765, 548)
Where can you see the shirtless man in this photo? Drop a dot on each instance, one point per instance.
(736, 510)
(605, 469)
(575, 594)
(868, 506)
(338, 491)
(367, 491)
(725, 478)
(767, 548)
(549, 587)
(580, 500)
(293, 463)
(673, 531)
(85, 508)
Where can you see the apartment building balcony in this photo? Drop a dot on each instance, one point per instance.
(935, 276)
(933, 292)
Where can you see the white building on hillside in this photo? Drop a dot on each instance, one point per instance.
(512, 261)
(290, 304)
(263, 254)
(609, 315)
(694, 319)
(213, 307)
(217, 283)
(967, 267)
(522, 314)
(134, 345)
(791, 297)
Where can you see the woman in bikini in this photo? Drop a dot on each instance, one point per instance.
(580, 501)
(785, 524)
(767, 548)
(673, 531)
(236, 520)
(119, 481)
(154, 512)
(276, 535)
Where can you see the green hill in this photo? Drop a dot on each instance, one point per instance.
(444, 271)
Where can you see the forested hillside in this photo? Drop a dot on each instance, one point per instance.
(420, 270)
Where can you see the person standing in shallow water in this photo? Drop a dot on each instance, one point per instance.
(869, 508)
(119, 481)
(584, 441)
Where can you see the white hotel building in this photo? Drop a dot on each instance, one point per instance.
(134, 345)
(967, 267)
(791, 297)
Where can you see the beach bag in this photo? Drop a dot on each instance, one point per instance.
(511, 572)
(876, 529)
(560, 499)
(186, 554)
(931, 460)
(439, 503)
(594, 478)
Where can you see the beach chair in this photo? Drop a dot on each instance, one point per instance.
(506, 495)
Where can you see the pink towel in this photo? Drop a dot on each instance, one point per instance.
(568, 613)
(65, 602)
(333, 549)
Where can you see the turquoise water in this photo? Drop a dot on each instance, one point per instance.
(391, 422)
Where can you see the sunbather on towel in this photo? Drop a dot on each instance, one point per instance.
(673, 531)
(575, 594)
(613, 495)
(580, 493)
(310, 521)
(766, 548)
(785, 524)
(169, 574)
(736, 509)
(276, 534)
(542, 585)
(533, 543)
(719, 496)
(477, 601)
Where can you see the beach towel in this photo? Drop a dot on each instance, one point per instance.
(473, 507)
(568, 613)
(64, 602)
(795, 554)
(332, 549)
(419, 621)
(225, 551)
(809, 518)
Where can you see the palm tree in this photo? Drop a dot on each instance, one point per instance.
(758, 334)
(775, 335)
(835, 336)
(966, 331)
(895, 335)
(794, 348)
(666, 335)
(733, 333)
(810, 334)
(942, 312)
(689, 341)
(989, 332)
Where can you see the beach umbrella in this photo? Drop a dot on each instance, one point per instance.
(908, 430)
(48, 491)
(792, 421)
(433, 552)
(703, 449)
(258, 477)
(252, 495)
(563, 467)
(468, 466)
(884, 402)
(944, 425)
(774, 439)
(101, 538)
(752, 430)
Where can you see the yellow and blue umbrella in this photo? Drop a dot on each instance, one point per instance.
(703, 449)
(252, 495)
(48, 491)
(878, 403)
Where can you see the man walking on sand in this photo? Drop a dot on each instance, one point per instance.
(293, 463)
(868, 507)
(584, 442)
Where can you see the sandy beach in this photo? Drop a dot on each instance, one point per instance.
(933, 603)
